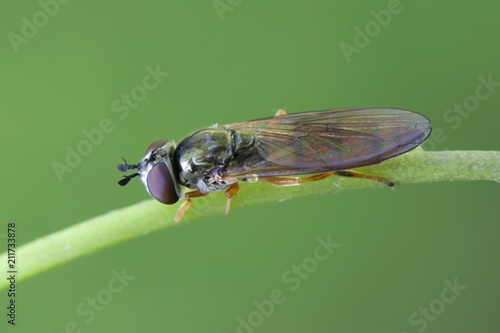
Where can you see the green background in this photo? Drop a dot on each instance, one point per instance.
(397, 247)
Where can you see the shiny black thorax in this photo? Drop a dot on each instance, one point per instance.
(201, 159)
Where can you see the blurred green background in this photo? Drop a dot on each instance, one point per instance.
(231, 61)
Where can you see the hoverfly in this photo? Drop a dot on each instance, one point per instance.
(276, 150)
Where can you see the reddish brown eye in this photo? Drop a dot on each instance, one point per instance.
(154, 145)
(161, 184)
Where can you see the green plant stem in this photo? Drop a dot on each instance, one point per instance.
(139, 219)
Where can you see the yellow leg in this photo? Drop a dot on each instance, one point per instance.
(230, 193)
(186, 204)
(280, 112)
(291, 181)
(356, 174)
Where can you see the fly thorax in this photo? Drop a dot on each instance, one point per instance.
(202, 157)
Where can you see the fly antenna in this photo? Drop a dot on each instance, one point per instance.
(125, 179)
(124, 167)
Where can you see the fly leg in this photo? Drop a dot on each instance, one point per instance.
(356, 174)
(291, 181)
(280, 112)
(230, 193)
(186, 204)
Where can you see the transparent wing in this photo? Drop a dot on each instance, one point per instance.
(326, 140)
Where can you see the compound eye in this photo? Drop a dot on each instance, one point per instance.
(161, 184)
(154, 145)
